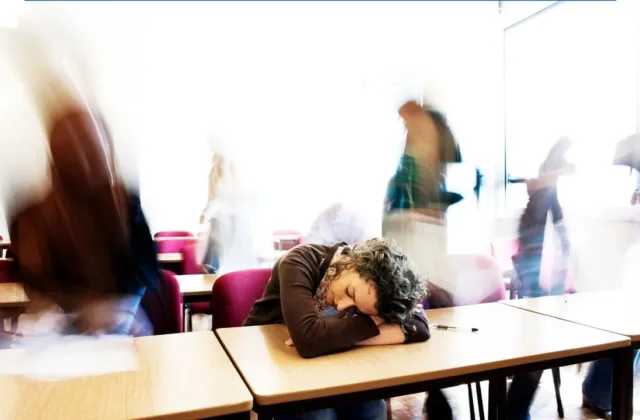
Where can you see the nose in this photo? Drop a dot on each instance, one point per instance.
(344, 304)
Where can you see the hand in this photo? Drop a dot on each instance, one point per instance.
(100, 316)
(289, 342)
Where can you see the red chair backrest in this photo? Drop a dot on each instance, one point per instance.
(503, 250)
(190, 263)
(8, 272)
(174, 245)
(163, 309)
(234, 294)
(474, 278)
(172, 233)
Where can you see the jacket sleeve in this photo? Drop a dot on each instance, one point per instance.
(418, 330)
(312, 334)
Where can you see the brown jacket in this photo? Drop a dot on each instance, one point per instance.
(288, 299)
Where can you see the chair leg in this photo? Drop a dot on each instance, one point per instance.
(387, 402)
(556, 385)
(480, 401)
(472, 409)
(14, 323)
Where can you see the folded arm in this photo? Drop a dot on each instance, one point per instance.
(416, 331)
(311, 333)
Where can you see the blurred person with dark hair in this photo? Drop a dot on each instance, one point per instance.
(85, 248)
(332, 298)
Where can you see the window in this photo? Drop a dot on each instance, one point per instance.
(571, 70)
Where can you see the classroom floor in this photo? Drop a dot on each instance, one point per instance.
(409, 407)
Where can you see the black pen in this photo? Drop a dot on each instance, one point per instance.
(447, 327)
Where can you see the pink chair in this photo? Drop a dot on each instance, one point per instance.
(503, 250)
(234, 294)
(174, 245)
(163, 309)
(190, 262)
(8, 272)
(478, 279)
(285, 244)
(173, 233)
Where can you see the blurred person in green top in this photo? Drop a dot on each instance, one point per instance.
(415, 205)
(420, 180)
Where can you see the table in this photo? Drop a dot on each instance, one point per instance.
(180, 376)
(196, 287)
(12, 295)
(615, 311)
(4, 245)
(509, 341)
(170, 257)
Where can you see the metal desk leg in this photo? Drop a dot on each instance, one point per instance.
(498, 398)
(622, 392)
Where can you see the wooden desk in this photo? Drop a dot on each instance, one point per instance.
(170, 258)
(181, 376)
(508, 341)
(12, 295)
(613, 311)
(196, 287)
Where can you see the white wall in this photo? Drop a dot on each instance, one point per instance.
(301, 94)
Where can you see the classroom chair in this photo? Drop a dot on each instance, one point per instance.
(162, 307)
(173, 233)
(233, 295)
(280, 244)
(190, 261)
(503, 250)
(171, 246)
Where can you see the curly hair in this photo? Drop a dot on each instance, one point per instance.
(399, 287)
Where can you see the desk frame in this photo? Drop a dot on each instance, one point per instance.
(187, 300)
(622, 387)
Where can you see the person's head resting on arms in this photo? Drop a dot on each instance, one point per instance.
(377, 279)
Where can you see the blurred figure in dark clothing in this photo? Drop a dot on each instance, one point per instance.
(543, 198)
(85, 248)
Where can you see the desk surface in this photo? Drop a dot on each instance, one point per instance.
(170, 257)
(181, 376)
(275, 373)
(196, 284)
(614, 311)
(12, 295)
